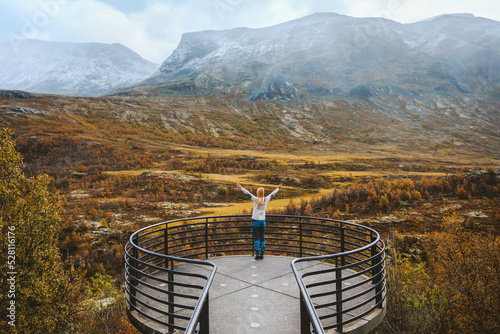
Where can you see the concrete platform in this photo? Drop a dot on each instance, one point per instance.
(262, 296)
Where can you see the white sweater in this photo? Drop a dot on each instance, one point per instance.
(259, 213)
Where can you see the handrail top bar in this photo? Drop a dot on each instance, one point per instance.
(203, 298)
(166, 223)
(332, 256)
(182, 259)
(249, 215)
(313, 315)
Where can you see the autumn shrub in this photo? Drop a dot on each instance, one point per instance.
(384, 202)
(48, 291)
(414, 304)
(461, 192)
(457, 290)
(104, 308)
(466, 266)
(60, 153)
(415, 195)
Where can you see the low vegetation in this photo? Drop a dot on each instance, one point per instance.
(99, 169)
(455, 290)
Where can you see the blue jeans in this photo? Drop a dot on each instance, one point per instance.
(259, 228)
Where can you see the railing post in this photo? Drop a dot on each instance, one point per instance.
(374, 259)
(300, 237)
(206, 238)
(254, 252)
(342, 243)
(171, 309)
(165, 241)
(379, 286)
(134, 272)
(305, 322)
(376, 272)
(205, 318)
(338, 288)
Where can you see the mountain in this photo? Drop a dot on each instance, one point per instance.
(326, 82)
(331, 56)
(87, 69)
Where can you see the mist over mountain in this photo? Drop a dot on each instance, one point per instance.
(87, 69)
(331, 56)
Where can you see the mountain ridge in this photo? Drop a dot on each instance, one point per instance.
(87, 69)
(333, 56)
(404, 101)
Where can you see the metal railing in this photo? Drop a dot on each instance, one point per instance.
(350, 290)
(158, 292)
(174, 296)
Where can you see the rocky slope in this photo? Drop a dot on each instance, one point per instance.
(449, 128)
(88, 69)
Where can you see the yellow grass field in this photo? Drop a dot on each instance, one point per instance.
(277, 203)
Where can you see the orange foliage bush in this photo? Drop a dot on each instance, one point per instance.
(384, 194)
(456, 291)
(466, 266)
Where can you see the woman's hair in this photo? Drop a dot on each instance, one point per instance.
(260, 195)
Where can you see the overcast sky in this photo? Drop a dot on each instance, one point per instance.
(153, 28)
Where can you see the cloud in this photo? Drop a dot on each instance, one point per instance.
(156, 29)
(75, 21)
(153, 28)
(413, 11)
(99, 22)
(27, 19)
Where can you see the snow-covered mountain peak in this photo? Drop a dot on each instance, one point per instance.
(88, 69)
(451, 16)
(337, 56)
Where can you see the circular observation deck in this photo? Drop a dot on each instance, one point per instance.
(198, 275)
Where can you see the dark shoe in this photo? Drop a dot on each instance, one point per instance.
(261, 256)
(257, 257)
